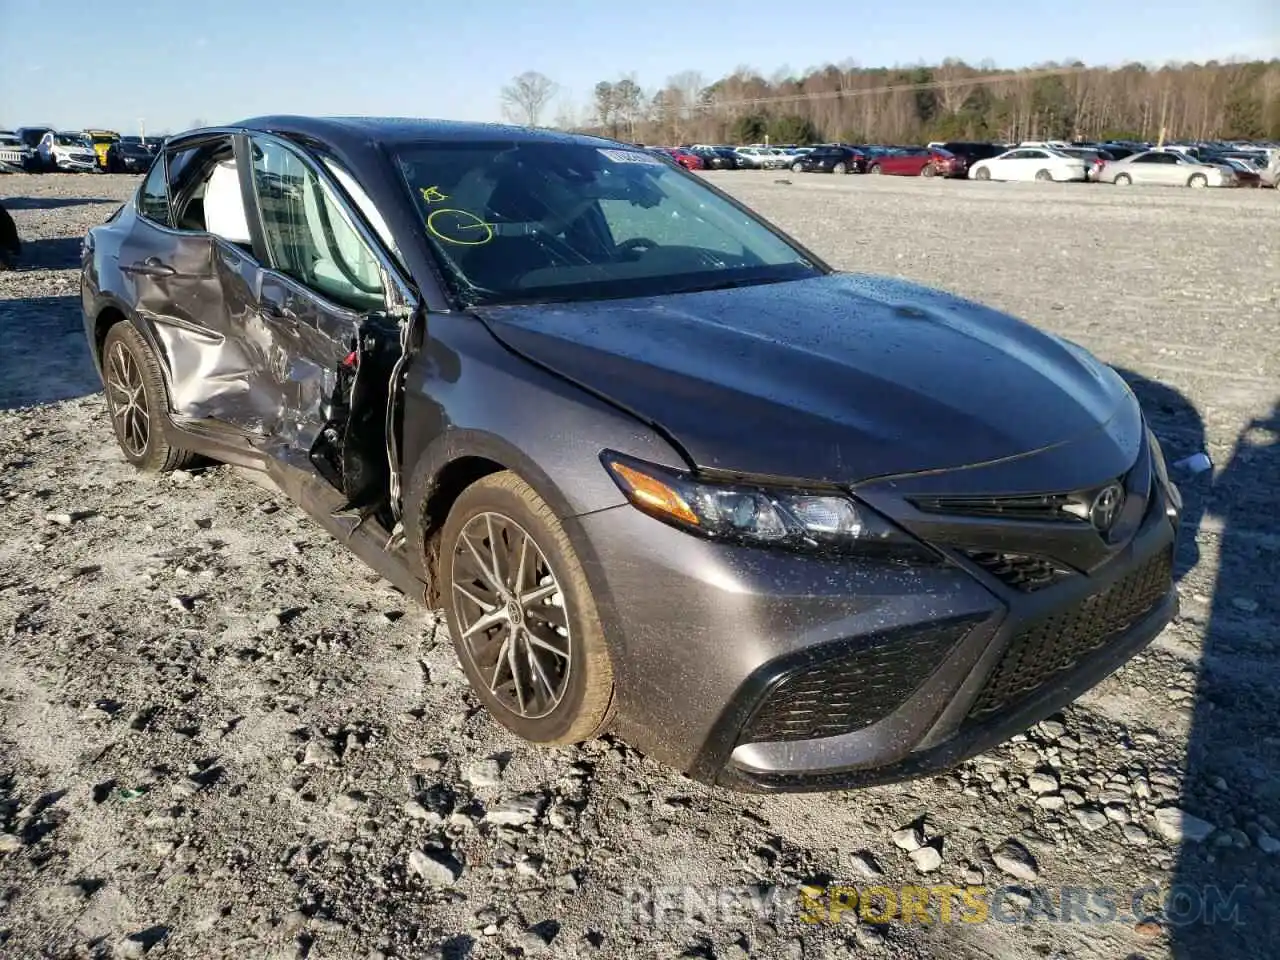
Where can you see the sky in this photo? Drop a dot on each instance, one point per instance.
(88, 63)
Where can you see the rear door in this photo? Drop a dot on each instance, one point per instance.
(192, 288)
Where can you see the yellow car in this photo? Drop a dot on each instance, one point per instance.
(102, 141)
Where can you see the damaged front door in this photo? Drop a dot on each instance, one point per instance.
(334, 345)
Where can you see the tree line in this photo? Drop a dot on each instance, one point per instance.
(948, 101)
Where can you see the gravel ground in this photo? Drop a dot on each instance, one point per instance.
(221, 736)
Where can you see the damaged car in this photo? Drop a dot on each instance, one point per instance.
(668, 473)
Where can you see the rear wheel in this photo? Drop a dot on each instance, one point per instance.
(1122, 180)
(929, 170)
(1198, 180)
(523, 620)
(1043, 175)
(138, 402)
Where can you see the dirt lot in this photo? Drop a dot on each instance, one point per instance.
(220, 736)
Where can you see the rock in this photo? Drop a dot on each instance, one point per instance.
(562, 816)
(319, 753)
(1135, 835)
(908, 838)
(1042, 782)
(517, 811)
(417, 811)
(868, 936)
(349, 802)
(1016, 860)
(864, 865)
(1267, 843)
(926, 859)
(132, 949)
(567, 882)
(1176, 825)
(435, 867)
(1051, 730)
(1244, 604)
(1091, 818)
(1051, 801)
(1073, 797)
(484, 773)
(10, 843)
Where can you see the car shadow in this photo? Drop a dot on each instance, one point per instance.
(44, 356)
(50, 203)
(1219, 901)
(1225, 883)
(53, 253)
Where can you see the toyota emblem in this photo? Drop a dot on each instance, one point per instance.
(1106, 507)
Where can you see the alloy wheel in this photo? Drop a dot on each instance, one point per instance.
(128, 401)
(511, 611)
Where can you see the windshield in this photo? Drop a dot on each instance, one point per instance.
(530, 221)
(71, 140)
(105, 138)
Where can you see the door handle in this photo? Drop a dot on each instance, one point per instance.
(151, 267)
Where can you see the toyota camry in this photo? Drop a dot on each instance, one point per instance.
(668, 474)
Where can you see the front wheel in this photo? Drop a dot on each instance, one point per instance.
(1122, 180)
(523, 619)
(1198, 181)
(875, 168)
(138, 402)
(839, 168)
(929, 170)
(797, 168)
(982, 173)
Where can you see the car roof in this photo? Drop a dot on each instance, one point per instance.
(352, 132)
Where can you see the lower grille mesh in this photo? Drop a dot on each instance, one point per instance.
(1020, 571)
(850, 685)
(1053, 645)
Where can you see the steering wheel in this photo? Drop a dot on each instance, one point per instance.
(636, 243)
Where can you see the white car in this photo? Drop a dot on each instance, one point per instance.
(1167, 168)
(72, 152)
(1030, 163)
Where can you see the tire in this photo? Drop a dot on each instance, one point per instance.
(875, 168)
(1198, 180)
(982, 174)
(839, 168)
(797, 168)
(1043, 175)
(1122, 180)
(928, 170)
(130, 369)
(503, 508)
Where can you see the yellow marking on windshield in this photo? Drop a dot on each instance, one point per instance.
(459, 227)
(433, 194)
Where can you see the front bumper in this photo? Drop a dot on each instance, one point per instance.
(75, 163)
(709, 639)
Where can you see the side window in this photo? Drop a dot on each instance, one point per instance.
(308, 233)
(153, 200)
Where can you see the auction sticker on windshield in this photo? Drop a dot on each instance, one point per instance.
(630, 156)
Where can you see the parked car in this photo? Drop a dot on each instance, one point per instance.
(916, 162)
(15, 155)
(689, 161)
(102, 141)
(1095, 158)
(763, 158)
(68, 151)
(129, 155)
(829, 160)
(1166, 168)
(717, 158)
(31, 137)
(667, 472)
(1030, 163)
(970, 151)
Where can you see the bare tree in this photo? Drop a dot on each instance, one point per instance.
(526, 96)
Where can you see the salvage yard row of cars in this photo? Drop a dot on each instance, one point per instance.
(1116, 162)
(48, 150)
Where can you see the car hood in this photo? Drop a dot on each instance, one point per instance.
(839, 378)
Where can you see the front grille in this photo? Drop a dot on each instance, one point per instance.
(850, 684)
(1019, 570)
(1050, 647)
(1049, 506)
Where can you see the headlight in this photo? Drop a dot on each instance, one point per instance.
(794, 518)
